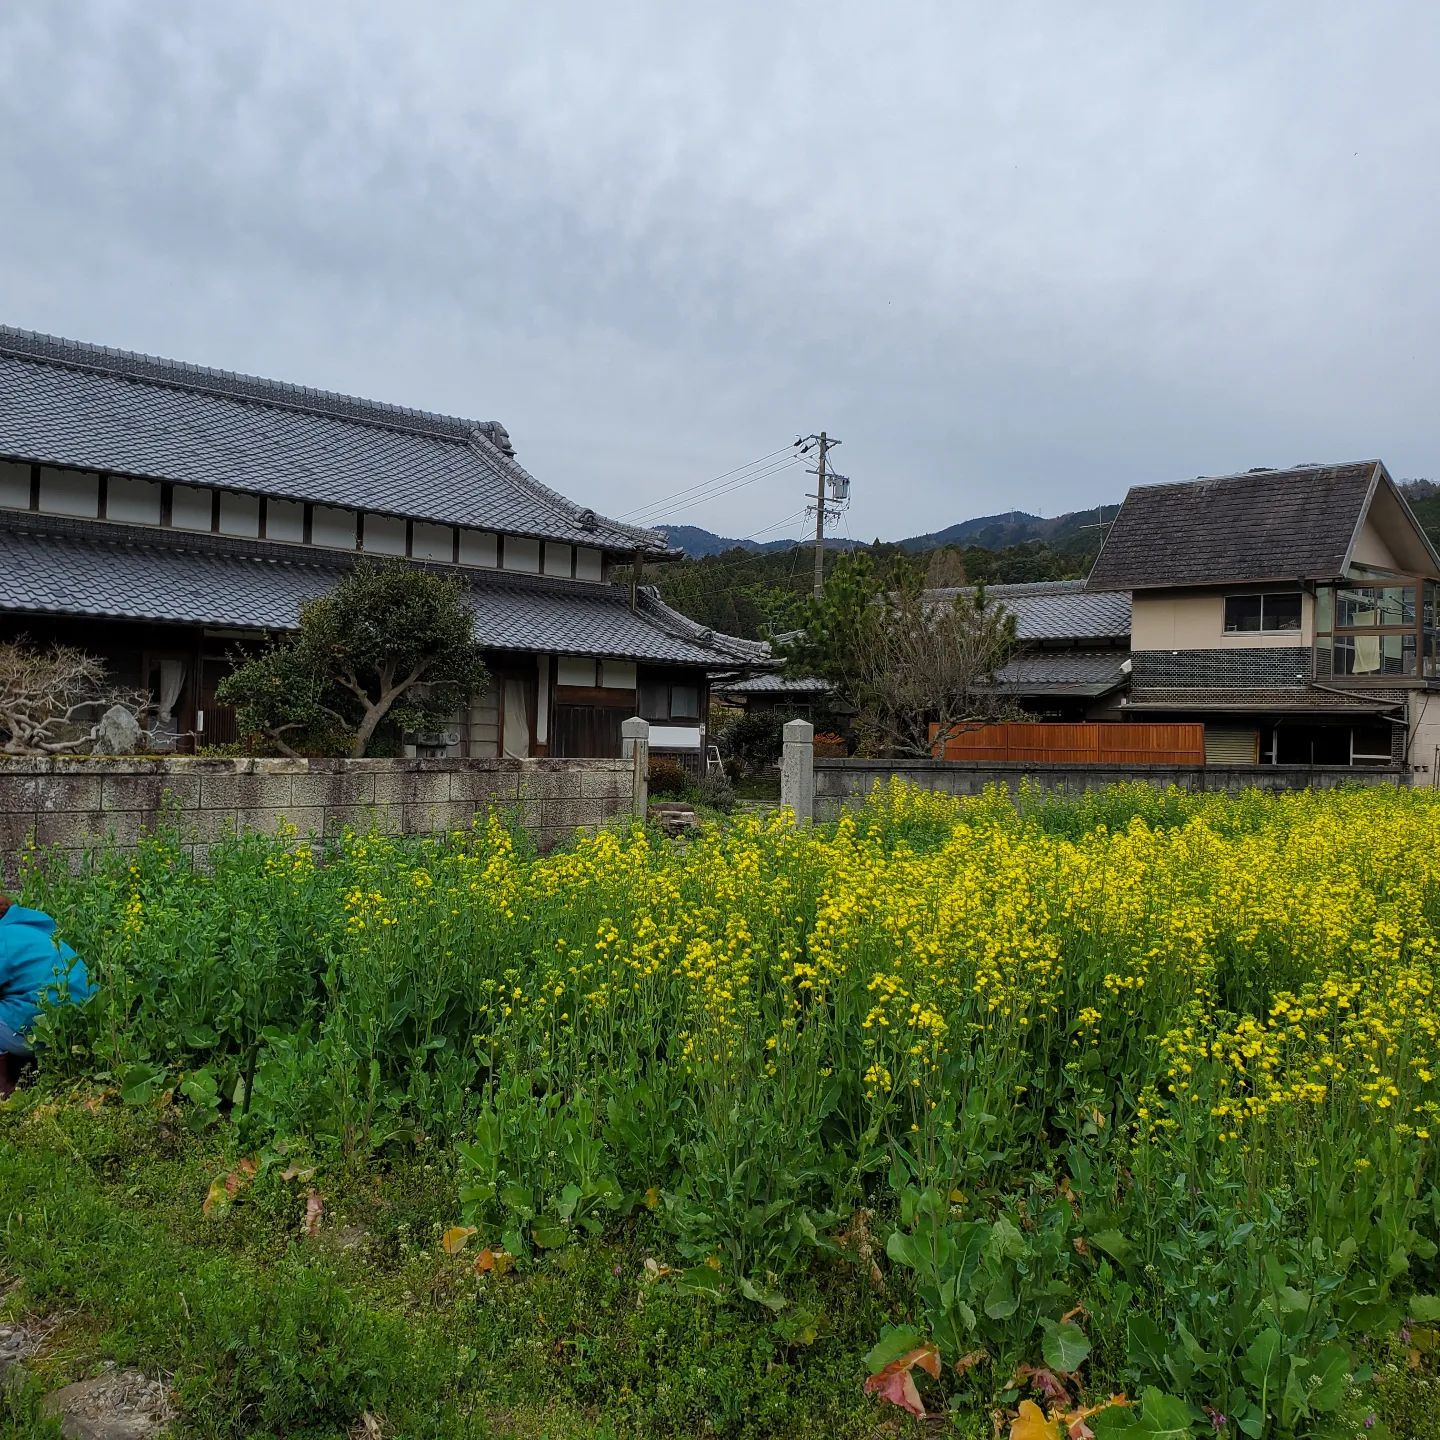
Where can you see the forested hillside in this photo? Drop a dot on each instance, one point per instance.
(746, 588)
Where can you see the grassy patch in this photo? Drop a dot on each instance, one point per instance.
(264, 1331)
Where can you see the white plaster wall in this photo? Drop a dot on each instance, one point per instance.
(14, 485)
(432, 542)
(589, 564)
(69, 492)
(285, 520)
(1197, 622)
(132, 502)
(384, 535)
(557, 559)
(542, 707)
(617, 675)
(575, 670)
(522, 554)
(477, 547)
(190, 508)
(332, 527)
(239, 514)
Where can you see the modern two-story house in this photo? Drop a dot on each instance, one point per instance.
(1292, 612)
(160, 515)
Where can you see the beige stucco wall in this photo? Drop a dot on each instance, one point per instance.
(1195, 620)
(1371, 549)
(1424, 717)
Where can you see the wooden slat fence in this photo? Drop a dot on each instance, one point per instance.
(1082, 743)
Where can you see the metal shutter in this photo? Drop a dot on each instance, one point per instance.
(1228, 746)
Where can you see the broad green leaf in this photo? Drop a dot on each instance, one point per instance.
(1114, 1244)
(701, 1280)
(1332, 1371)
(1001, 1302)
(1261, 1365)
(1162, 1417)
(1425, 1307)
(1064, 1347)
(894, 1343)
(1146, 1345)
(517, 1197)
(771, 1299)
(548, 1233)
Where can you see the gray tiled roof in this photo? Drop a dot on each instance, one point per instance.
(1263, 702)
(1261, 526)
(1063, 672)
(134, 575)
(85, 406)
(778, 685)
(1056, 609)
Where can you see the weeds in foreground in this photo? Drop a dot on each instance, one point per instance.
(1131, 1093)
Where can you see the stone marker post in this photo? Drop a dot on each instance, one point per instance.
(797, 770)
(635, 747)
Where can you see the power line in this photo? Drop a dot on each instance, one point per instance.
(666, 509)
(700, 485)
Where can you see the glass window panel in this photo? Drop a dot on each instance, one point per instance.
(654, 700)
(1324, 608)
(1357, 607)
(1375, 654)
(1242, 614)
(685, 702)
(1397, 605)
(1280, 612)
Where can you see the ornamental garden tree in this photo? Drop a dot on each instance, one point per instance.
(390, 643)
(904, 658)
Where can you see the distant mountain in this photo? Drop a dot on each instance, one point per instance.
(698, 543)
(990, 532)
(1014, 527)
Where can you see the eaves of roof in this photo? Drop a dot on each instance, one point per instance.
(61, 568)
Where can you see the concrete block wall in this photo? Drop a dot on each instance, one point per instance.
(842, 783)
(72, 804)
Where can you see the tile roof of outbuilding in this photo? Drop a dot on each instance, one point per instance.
(1264, 525)
(778, 685)
(1056, 609)
(1312, 699)
(1081, 673)
(67, 403)
(59, 567)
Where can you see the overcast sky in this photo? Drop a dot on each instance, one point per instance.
(1015, 256)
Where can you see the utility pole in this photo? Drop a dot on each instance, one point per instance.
(820, 517)
(840, 488)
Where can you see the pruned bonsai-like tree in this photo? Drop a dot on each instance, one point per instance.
(52, 698)
(390, 643)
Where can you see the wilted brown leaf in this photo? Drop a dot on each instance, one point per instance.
(498, 1261)
(896, 1384)
(297, 1172)
(314, 1214)
(970, 1360)
(456, 1238)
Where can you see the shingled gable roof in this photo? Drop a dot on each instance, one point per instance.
(70, 404)
(1262, 526)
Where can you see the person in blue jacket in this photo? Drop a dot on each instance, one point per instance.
(34, 965)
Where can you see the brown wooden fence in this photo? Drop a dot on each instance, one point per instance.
(1084, 743)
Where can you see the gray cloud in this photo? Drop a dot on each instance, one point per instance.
(1015, 256)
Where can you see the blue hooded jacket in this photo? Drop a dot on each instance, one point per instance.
(33, 963)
